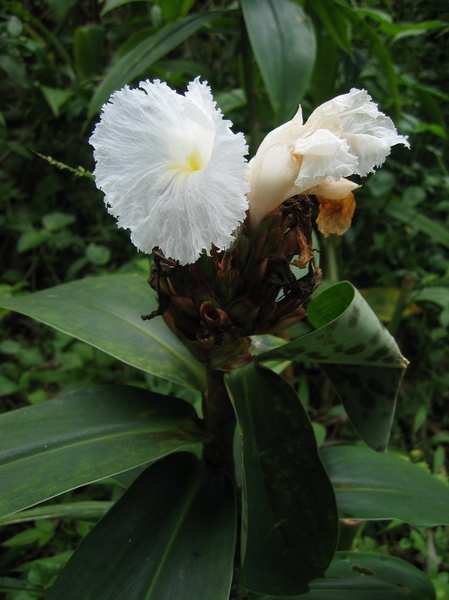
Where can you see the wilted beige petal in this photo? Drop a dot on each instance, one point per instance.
(335, 215)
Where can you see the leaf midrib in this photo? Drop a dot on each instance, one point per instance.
(74, 442)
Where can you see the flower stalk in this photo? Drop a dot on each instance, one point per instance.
(220, 421)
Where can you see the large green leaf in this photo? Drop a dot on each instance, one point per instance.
(86, 435)
(283, 42)
(367, 576)
(347, 332)
(106, 313)
(170, 536)
(142, 56)
(384, 486)
(289, 517)
(358, 354)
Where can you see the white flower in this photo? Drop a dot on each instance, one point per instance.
(171, 169)
(345, 136)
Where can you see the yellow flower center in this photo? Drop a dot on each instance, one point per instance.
(194, 162)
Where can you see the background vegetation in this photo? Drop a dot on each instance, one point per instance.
(60, 60)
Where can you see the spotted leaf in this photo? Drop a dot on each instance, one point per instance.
(359, 356)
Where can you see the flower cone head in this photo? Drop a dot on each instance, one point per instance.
(215, 304)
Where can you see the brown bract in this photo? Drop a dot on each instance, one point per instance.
(215, 304)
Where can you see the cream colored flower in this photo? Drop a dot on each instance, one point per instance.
(345, 136)
(171, 169)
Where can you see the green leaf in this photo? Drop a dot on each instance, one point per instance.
(230, 100)
(283, 43)
(384, 302)
(23, 538)
(410, 82)
(142, 56)
(88, 48)
(325, 71)
(7, 386)
(359, 356)
(86, 435)
(289, 515)
(346, 332)
(86, 510)
(335, 23)
(395, 29)
(170, 536)
(377, 47)
(368, 576)
(57, 220)
(106, 313)
(15, 70)
(174, 9)
(45, 36)
(111, 4)
(416, 220)
(14, 26)
(98, 254)
(31, 238)
(263, 343)
(55, 98)
(437, 295)
(384, 486)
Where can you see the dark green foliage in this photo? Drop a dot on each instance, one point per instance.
(171, 535)
(58, 62)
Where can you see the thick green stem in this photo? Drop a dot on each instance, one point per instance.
(347, 532)
(220, 421)
(330, 268)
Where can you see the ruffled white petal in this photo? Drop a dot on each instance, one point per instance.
(354, 117)
(171, 169)
(323, 153)
(333, 189)
(345, 136)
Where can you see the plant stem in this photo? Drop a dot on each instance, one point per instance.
(347, 532)
(220, 421)
(330, 270)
